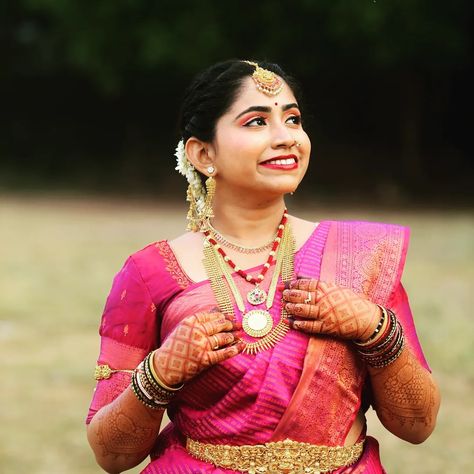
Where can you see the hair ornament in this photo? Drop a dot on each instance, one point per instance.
(266, 81)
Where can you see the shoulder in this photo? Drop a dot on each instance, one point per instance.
(159, 268)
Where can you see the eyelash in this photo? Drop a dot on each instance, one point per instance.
(296, 118)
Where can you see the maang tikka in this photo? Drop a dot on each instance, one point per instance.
(266, 81)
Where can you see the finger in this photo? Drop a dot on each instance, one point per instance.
(311, 327)
(299, 296)
(310, 311)
(218, 325)
(307, 284)
(221, 339)
(211, 316)
(214, 357)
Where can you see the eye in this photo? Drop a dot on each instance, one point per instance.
(294, 119)
(257, 121)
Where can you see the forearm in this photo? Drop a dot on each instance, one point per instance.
(406, 398)
(123, 433)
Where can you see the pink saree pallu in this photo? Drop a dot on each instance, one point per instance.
(307, 389)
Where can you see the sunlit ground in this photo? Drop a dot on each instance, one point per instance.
(57, 260)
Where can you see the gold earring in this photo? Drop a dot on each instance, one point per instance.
(193, 214)
(207, 212)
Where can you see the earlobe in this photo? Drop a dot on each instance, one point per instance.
(197, 154)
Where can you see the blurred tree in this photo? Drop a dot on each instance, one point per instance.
(116, 43)
(111, 39)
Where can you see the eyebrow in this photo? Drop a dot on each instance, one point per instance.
(262, 108)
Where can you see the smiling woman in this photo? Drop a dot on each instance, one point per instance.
(265, 336)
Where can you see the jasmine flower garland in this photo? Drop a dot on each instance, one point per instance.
(185, 168)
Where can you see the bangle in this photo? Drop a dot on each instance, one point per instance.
(148, 388)
(376, 331)
(142, 397)
(387, 348)
(151, 358)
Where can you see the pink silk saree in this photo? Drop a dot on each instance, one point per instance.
(305, 388)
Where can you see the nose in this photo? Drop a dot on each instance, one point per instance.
(282, 137)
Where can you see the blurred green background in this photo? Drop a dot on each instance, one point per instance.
(90, 90)
(89, 97)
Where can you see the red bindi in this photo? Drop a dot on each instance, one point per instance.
(276, 103)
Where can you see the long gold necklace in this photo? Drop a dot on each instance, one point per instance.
(256, 323)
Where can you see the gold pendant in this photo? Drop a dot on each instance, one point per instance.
(256, 296)
(257, 323)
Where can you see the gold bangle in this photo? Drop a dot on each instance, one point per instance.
(157, 379)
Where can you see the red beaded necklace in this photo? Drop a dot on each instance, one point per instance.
(266, 265)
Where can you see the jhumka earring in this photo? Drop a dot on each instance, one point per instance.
(207, 212)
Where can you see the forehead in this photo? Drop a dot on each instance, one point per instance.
(249, 96)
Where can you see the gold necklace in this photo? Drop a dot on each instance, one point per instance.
(258, 322)
(238, 248)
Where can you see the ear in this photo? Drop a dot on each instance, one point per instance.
(198, 154)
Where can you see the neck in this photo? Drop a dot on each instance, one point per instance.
(248, 225)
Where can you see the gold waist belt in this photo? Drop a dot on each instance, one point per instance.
(277, 457)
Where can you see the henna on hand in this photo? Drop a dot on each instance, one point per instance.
(406, 397)
(319, 307)
(190, 348)
(123, 432)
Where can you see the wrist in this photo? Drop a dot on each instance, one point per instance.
(159, 375)
(376, 328)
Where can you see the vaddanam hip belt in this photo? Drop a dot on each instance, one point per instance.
(281, 456)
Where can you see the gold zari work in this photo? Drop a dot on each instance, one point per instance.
(288, 456)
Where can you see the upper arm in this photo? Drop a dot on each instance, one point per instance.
(128, 333)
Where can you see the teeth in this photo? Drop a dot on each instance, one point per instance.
(287, 161)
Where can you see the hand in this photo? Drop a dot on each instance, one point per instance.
(198, 342)
(317, 307)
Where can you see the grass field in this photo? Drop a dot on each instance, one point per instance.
(57, 259)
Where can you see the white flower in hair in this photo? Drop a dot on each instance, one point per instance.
(185, 168)
(182, 163)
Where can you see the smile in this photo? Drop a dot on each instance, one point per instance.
(288, 162)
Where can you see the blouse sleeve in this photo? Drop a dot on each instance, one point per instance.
(400, 305)
(128, 333)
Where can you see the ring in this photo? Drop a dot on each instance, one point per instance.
(216, 341)
(308, 298)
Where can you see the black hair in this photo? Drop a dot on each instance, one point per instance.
(212, 93)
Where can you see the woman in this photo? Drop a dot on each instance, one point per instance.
(269, 369)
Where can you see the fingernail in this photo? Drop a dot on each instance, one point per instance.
(289, 306)
(237, 325)
(296, 324)
(280, 286)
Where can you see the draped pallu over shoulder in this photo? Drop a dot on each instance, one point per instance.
(368, 258)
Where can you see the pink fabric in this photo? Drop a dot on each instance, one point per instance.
(245, 399)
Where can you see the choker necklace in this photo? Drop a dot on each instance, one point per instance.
(255, 296)
(238, 248)
(256, 323)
